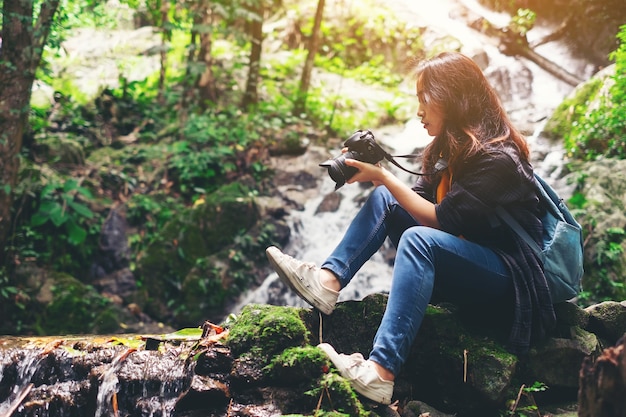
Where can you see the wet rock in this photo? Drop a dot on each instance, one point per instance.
(215, 361)
(203, 391)
(330, 203)
(247, 370)
(608, 320)
(114, 251)
(557, 362)
(118, 283)
(420, 409)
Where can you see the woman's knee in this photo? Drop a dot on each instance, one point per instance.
(421, 235)
(425, 240)
(381, 194)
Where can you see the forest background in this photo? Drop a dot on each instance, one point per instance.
(235, 84)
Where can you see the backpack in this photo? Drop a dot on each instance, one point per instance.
(562, 246)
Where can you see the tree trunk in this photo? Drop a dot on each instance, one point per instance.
(603, 384)
(305, 80)
(165, 37)
(23, 40)
(514, 44)
(206, 82)
(251, 95)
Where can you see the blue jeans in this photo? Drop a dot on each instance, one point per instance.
(427, 261)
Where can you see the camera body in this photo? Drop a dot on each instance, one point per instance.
(361, 146)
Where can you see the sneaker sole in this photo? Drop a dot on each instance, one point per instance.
(297, 286)
(361, 388)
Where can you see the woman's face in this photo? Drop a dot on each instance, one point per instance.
(432, 116)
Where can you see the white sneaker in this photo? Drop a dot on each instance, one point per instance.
(361, 374)
(304, 279)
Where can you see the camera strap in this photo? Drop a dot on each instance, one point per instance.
(440, 165)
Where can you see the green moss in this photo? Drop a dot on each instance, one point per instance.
(433, 309)
(267, 330)
(572, 109)
(185, 241)
(76, 308)
(297, 364)
(339, 396)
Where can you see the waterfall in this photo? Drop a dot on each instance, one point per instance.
(27, 365)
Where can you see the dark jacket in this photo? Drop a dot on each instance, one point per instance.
(479, 185)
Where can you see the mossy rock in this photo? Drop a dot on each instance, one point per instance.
(60, 148)
(194, 234)
(352, 325)
(77, 308)
(280, 344)
(267, 330)
(446, 349)
(295, 364)
(474, 367)
(205, 290)
(608, 320)
(551, 361)
(572, 108)
(601, 191)
(338, 395)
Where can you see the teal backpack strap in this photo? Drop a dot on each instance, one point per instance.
(517, 228)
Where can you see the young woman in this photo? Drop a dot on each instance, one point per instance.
(443, 227)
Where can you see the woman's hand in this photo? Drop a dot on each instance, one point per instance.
(367, 172)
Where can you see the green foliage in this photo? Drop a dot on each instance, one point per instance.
(369, 35)
(13, 302)
(149, 213)
(74, 14)
(203, 255)
(604, 249)
(523, 21)
(206, 288)
(525, 405)
(7, 290)
(76, 308)
(208, 150)
(608, 276)
(62, 206)
(604, 261)
(600, 130)
(612, 248)
(54, 222)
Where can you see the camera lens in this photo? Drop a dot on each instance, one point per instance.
(338, 170)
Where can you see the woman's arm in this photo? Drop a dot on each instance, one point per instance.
(417, 206)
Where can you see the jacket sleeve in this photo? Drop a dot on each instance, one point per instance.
(477, 189)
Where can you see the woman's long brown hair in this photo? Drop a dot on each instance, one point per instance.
(474, 116)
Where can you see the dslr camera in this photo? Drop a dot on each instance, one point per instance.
(361, 146)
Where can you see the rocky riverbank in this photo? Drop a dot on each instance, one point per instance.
(264, 363)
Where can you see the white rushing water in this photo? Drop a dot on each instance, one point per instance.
(528, 92)
(26, 368)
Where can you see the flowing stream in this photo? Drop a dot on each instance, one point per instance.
(26, 368)
(529, 94)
